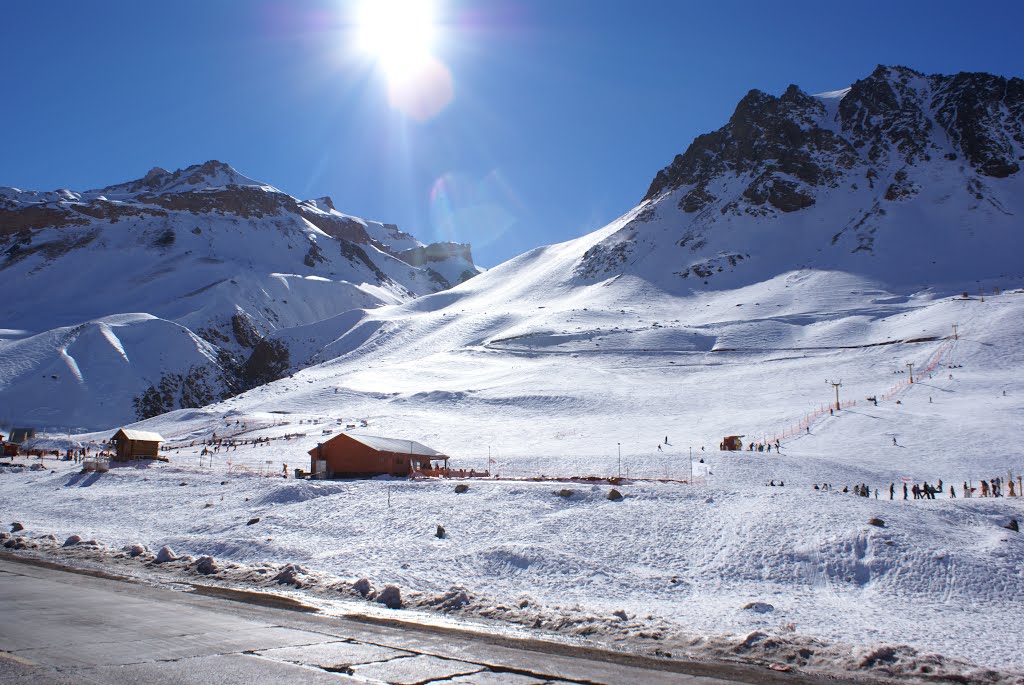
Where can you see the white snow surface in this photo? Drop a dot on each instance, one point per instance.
(555, 384)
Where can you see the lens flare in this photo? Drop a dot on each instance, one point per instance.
(400, 35)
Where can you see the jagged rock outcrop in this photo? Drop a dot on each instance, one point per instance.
(808, 180)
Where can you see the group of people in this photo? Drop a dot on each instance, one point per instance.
(762, 446)
(989, 488)
(994, 487)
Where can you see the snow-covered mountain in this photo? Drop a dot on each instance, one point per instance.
(861, 217)
(908, 178)
(173, 281)
(899, 185)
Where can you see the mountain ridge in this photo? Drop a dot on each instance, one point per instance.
(215, 254)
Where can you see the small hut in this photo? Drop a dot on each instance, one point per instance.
(731, 443)
(136, 444)
(20, 435)
(8, 449)
(347, 455)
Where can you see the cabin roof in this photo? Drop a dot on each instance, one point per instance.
(394, 445)
(132, 434)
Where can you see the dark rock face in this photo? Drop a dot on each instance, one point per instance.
(268, 362)
(435, 252)
(894, 110)
(894, 137)
(766, 134)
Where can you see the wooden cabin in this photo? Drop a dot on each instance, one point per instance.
(136, 444)
(20, 435)
(8, 449)
(347, 455)
(731, 443)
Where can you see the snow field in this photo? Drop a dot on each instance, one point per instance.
(678, 559)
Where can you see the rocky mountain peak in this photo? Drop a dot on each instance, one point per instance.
(849, 171)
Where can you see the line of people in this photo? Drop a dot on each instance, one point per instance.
(989, 488)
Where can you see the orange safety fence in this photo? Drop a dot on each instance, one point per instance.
(935, 359)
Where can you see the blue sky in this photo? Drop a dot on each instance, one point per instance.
(561, 111)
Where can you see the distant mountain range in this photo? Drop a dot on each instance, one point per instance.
(160, 293)
(181, 288)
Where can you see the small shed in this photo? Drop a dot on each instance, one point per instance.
(731, 443)
(136, 444)
(20, 435)
(347, 455)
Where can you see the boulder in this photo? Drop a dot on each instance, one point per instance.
(289, 575)
(165, 554)
(875, 521)
(16, 526)
(72, 540)
(1013, 525)
(564, 492)
(439, 533)
(614, 495)
(461, 488)
(137, 550)
(206, 565)
(391, 597)
(252, 521)
(362, 586)
(759, 607)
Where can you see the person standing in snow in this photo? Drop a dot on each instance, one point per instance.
(952, 492)
(894, 440)
(904, 491)
(892, 491)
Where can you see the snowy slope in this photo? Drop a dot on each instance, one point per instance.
(229, 259)
(678, 559)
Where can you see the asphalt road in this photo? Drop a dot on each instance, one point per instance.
(62, 627)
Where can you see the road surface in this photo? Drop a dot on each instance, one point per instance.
(59, 627)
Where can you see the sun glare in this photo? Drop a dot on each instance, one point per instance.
(398, 34)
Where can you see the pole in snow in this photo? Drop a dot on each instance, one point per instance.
(620, 458)
(836, 385)
(910, 366)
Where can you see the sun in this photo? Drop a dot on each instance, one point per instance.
(398, 34)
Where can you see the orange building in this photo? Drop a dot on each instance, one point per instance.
(361, 456)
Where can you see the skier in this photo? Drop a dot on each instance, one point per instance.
(894, 440)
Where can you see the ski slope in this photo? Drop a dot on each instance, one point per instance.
(557, 392)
